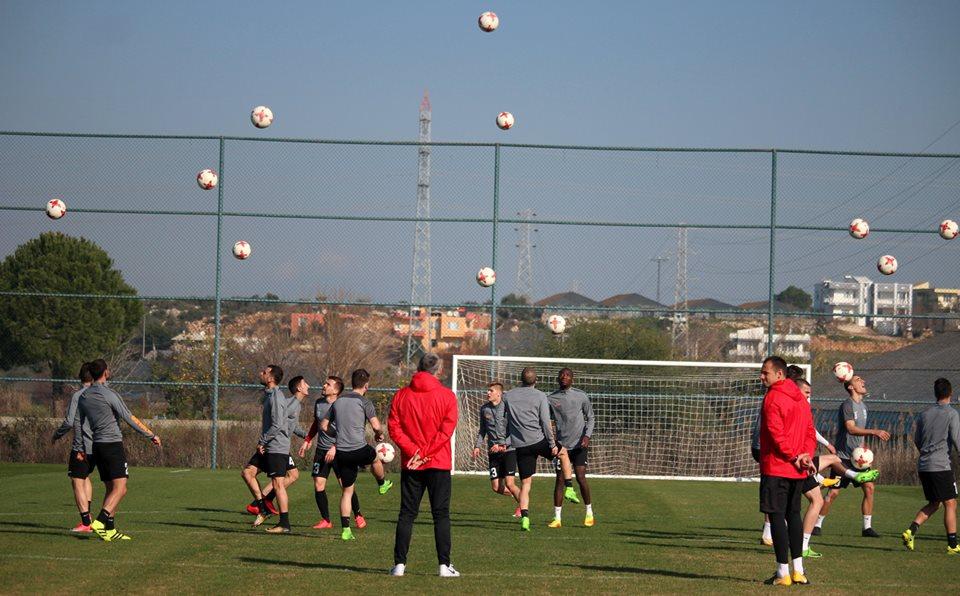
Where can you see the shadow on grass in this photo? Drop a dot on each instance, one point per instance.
(666, 535)
(661, 572)
(305, 565)
(212, 528)
(687, 545)
(209, 510)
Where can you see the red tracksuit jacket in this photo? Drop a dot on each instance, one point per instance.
(423, 416)
(786, 430)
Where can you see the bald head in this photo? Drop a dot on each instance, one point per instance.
(528, 376)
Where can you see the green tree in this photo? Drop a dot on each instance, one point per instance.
(58, 334)
(797, 297)
(621, 339)
(507, 311)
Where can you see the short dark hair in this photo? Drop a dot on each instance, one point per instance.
(97, 368)
(794, 372)
(339, 383)
(496, 384)
(528, 376)
(294, 383)
(85, 376)
(359, 378)
(778, 363)
(276, 372)
(430, 363)
(565, 369)
(942, 388)
(801, 382)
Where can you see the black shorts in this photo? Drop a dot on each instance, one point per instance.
(502, 464)
(111, 461)
(322, 469)
(938, 486)
(809, 483)
(80, 467)
(578, 458)
(779, 495)
(527, 457)
(278, 464)
(259, 461)
(844, 481)
(349, 463)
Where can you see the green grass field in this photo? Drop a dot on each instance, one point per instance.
(651, 536)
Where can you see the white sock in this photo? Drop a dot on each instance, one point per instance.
(819, 521)
(818, 477)
(556, 512)
(589, 509)
(766, 531)
(806, 542)
(867, 521)
(783, 570)
(798, 565)
(850, 474)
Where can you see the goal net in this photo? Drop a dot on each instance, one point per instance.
(654, 419)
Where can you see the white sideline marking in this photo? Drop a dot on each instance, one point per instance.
(72, 513)
(180, 471)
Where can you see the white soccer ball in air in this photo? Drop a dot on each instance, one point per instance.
(861, 458)
(486, 277)
(505, 120)
(948, 229)
(843, 371)
(887, 265)
(859, 228)
(261, 116)
(56, 208)
(385, 452)
(241, 249)
(557, 324)
(207, 179)
(489, 21)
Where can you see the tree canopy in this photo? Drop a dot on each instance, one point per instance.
(619, 339)
(797, 297)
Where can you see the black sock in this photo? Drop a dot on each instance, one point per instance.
(322, 504)
(262, 507)
(568, 482)
(269, 496)
(85, 517)
(285, 519)
(344, 521)
(914, 528)
(952, 540)
(106, 519)
(89, 506)
(380, 481)
(524, 513)
(355, 504)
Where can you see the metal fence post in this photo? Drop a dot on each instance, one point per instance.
(773, 244)
(215, 407)
(493, 264)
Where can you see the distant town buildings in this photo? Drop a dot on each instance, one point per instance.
(441, 330)
(865, 302)
(750, 345)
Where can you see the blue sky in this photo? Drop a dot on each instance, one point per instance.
(826, 75)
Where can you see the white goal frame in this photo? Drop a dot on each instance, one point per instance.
(457, 358)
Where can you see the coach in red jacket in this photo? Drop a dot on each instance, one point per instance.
(787, 441)
(423, 416)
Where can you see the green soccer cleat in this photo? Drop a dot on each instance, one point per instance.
(571, 495)
(525, 524)
(100, 530)
(907, 537)
(811, 554)
(347, 534)
(385, 486)
(867, 476)
(954, 550)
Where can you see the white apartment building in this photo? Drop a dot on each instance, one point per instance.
(750, 345)
(864, 301)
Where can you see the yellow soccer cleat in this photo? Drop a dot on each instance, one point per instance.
(953, 551)
(588, 521)
(800, 579)
(766, 541)
(779, 581)
(828, 482)
(555, 524)
(907, 538)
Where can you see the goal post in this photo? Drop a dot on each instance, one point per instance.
(655, 419)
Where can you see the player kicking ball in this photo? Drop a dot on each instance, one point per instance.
(501, 458)
(572, 413)
(937, 434)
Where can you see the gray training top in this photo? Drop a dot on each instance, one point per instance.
(528, 416)
(281, 415)
(325, 440)
(493, 426)
(572, 411)
(100, 408)
(351, 412)
(938, 431)
(849, 410)
(83, 441)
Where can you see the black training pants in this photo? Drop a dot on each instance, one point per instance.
(412, 485)
(780, 499)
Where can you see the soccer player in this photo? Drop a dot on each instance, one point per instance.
(80, 464)
(851, 433)
(332, 388)
(501, 458)
(423, 417)
(262, 505)
(572, 413)
(274, 445)
(350, 450)
(528, 430)
(101, 409)
(937, 434)
(786, 443)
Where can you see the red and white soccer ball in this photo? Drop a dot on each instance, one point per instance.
(207, 179)
(843, 371)
(859, 228)
(488, 21)
(557, 324)
(261, 116)
(887, 265)
(486, 277)
(385, 452)
(948, 229)
(241, 249)
(861, 458)
(56, 208)
(505, 120)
